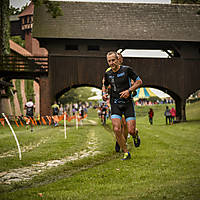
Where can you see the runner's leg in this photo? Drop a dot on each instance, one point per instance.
(117, 130)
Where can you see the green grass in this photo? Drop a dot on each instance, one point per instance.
(19, 95)
(166, 166)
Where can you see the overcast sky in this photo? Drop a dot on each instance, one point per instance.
(20, 3)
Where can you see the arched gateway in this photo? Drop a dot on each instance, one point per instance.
(78, 41)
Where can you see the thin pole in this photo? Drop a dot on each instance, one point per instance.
(65, 129)
(20, 155)
(76, 121)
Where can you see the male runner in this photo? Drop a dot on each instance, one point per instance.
(119, 78)
(123, 121)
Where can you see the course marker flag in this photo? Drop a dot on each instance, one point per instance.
(20, 155)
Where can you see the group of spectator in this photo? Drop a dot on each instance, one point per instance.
(170, 115)
(146, 102)
(81, 109)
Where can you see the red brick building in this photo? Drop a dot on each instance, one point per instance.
(22, 25)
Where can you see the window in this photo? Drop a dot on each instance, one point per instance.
(73, 47)
(93, 48)
(22, 20)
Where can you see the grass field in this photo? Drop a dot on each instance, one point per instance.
(85, 166)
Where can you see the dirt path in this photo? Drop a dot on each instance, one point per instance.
(27, 173)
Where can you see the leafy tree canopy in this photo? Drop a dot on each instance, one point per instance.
(16, 11)
(52, 7)
(18, 40)
(186, 1)
(76, 95)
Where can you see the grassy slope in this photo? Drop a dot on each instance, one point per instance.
(166, 166)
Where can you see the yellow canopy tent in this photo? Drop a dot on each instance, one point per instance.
(144, 93)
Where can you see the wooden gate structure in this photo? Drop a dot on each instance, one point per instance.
(78, 41)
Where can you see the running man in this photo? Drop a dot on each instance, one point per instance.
(30, 108)
(119, 78)
(123, 121)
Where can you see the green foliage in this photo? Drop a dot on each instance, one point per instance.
(18, 40)
(52, 7)
(5, 28)
(29, 90)
(14, 11)
(17, 11)
(186, 1)
(11, 99)
(80, 94)
(19, 95)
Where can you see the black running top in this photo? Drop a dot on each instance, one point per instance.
(120, 80)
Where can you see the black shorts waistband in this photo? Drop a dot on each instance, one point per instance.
(121, 101)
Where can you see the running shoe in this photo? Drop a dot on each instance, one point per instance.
(136, 140)
(127, 156)
(117, 147)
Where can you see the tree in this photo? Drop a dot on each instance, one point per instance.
(52, 7)
(4, 28)
(14, 11)
(17, 11)
(77, 95)
(186, 1)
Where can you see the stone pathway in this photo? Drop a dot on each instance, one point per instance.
(27, 173)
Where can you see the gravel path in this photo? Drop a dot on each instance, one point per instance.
(27, 173)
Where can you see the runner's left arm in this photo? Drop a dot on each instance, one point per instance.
(137, 83)
(105, 88)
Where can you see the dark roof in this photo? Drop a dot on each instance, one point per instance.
(120, 21)
(28, 10)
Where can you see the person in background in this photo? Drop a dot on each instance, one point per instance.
(30, 108)
(167, 115)
(61, 110)
(151, 114)
(173, 114)
(103, 113)
(73, 111)
(81, 112)
(55, 108)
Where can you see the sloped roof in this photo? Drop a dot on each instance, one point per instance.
(28, 11)
(120, 21)
(18, 49)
